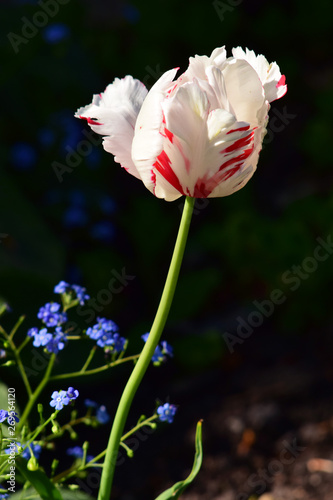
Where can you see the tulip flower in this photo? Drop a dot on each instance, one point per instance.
(199, 135)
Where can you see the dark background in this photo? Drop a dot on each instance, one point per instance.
(93, 220)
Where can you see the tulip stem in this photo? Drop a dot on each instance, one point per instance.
(146, 354)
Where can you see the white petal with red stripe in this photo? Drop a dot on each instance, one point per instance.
(113, 114)
(148, 142)
(202, 148)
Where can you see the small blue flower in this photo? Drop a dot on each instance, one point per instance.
(89, 403)
(32, 332)
(4, 495)
(107, 336)
(118, 343)
(158, 356)
(166, 412)
(105, 339)
(72, 393)
(3, 354)
(36, 450)
(103, 331)
(102, 415)
(145, 337)
(55, 33)
(61, 287)
(167, 348)
(94, 332)
(49, 314)
(3, 415)
(57, 341)
(42, 338)
(77, 452)
(80, 294)
(161, 352)
(59, 399)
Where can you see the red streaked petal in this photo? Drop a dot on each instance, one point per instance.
(240, 143)
(90, 120)
(238, 129)
(163, 166)
(282, 81)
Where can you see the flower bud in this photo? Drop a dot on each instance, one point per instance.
(32, 464)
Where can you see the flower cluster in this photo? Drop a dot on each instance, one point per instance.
(77, 291)
(63, 398)
(53, 342)
(161, 352)
(105, 332)
(199, 135)
(50, 315)
(166, 412)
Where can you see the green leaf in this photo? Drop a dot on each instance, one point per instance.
(177, 489)
(39, 480)
(30, 494)
(3, 396)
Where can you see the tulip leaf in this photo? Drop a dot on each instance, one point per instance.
(39, 480)
(177, 489)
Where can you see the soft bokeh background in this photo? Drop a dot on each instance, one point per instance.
(95, 219)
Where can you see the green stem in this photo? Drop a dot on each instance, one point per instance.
(37, 392)
(146, 354)
(145, 422)
(22, 346)
(16, 353)
(16, 327)
(93, 371)
(66, 427)
(88, 360)
(40, 428)
(71, 472)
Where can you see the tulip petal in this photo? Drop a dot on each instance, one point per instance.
(148, 142)
(244, 91)
(198, 64)
(217, 84)
(202, 149)
(274, 83)
(113, 114)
